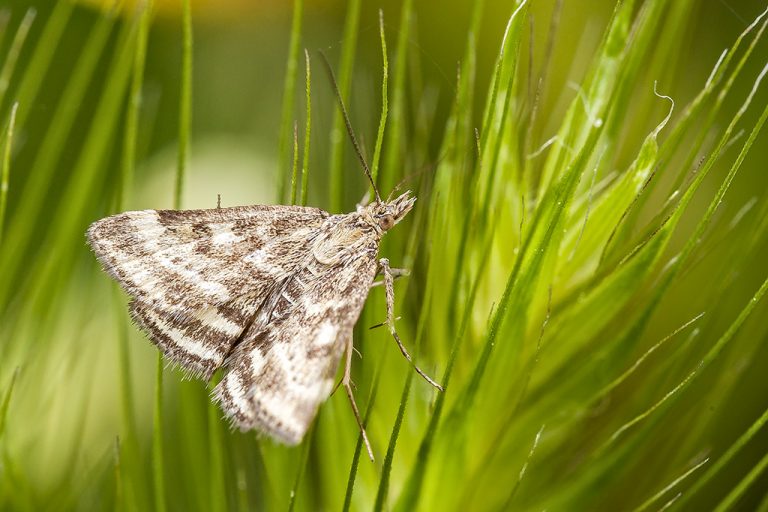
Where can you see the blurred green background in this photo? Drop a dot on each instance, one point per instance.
(77, 427)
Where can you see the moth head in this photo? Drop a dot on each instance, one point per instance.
(387, 214)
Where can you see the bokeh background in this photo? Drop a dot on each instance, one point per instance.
(61, 321)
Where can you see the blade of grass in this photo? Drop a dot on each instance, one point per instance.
(289, 91)
(392, 159)
(126, 487)
(656, 497)
(71, 214)
(158, 469)
(386, 471)
(381, 360)
(301, 468)
(349, 46)
(384, 100)
(295, 169)
(7, 401)
(409, 499)
(32, 193)
(185, 104)
(185, 120)
(12, 56)
(5, 174)
(730, 501)
(723, 460)
(710, 356)
(40, 61)
(307, 132)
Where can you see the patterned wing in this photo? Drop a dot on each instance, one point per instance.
(197, 277)
(286, 364)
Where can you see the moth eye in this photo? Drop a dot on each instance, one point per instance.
(386, 222)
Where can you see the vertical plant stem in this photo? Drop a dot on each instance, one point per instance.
(384, 100)
(289, 90)
(307, 132)
(157, 439)
(7, 401)
(392, 158)
(13, 53)
(349, 45)
(185, 105)
(295, 171)
(302, 467)
(185, 119)
(6, 171)
(218, 471)
(127, 171)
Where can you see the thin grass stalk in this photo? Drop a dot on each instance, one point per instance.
(158, 469)
(7, 401)
(392, 159)
(185, 120)
(72, 214)
(32, 193)
(383, 489)
(731, 500)
(40, 61)
(301, 468)
(12, 56)
(307, 131)
(5, 173)
(384, 100)
(409, 499)
(723, 460)
(349, 46)
(185, 104)
(126, 180)
(380, 363)
(295, 166)
(289, 91)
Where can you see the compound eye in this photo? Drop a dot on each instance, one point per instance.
(386, 222)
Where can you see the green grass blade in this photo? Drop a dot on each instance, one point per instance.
(40, 61)
(393, 157)
(185, 104)
(384, 100)
(723, 460)
(32, 194)
(12, 56)
(295, 167)
(348, 47)
(307, 132)
(5, 173)
(656, 497)
(158, 457)
(7, 401)
(289, 91)
(737, 492)
(359, 444)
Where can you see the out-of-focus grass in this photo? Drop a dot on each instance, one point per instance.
(580, 283)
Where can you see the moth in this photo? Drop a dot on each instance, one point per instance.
(268, 294)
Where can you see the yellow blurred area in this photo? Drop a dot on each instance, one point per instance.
(204, 10)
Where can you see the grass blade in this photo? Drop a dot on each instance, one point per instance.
(289, 91)
(5, 173)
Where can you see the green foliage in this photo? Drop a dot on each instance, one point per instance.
(589, 300)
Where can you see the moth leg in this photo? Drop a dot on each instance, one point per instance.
(389, 286)
(346, 381)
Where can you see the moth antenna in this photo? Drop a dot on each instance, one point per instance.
(349, 126)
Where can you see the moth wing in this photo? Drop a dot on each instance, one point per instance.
(197, 277)
(285, 366)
